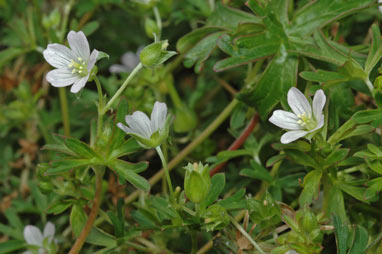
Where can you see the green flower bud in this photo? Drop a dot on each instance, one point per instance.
(197, 182)
(215, 218)
(155, 54)
(151, 28)
(307, 220)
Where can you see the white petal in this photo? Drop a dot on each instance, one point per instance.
(79, 84)
(61, 77)
(79, 44)
(298, 102)
(125, 128)
(318, 104)
(33, 236)
(285, 120)
(117, 68)
(158, 116)
(130, 60)
(92, 59)
(291, 136)
(58, 55)
(139, 123)
(49, 229)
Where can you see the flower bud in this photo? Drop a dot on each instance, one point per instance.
(151, 28)
(307, 220)
(197, 182)
(155, 54)
(215, 218)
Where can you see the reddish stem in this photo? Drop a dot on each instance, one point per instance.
(238, 142)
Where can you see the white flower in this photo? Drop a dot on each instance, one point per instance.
(150, 133)
(303, 120)
(33, 236)
(380, 6)
(129, 61)
(73, 65)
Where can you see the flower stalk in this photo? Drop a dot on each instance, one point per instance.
(64, 110)
(122, 88)
(166, 170)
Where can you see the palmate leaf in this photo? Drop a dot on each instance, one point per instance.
(316, 14)
(277, 79)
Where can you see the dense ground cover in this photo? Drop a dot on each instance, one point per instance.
(195, 126)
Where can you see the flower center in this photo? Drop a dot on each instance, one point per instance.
(306, 121)
(80, 67)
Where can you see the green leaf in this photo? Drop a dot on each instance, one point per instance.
(360, 240)
(124, 166)
(80, 148)
(311, 187)
(190, 39)
(100, 238)
(353, 70)
(375, 52)
(201, 51)
(336, 156)
(317, 14)
(342, 234)
(128, 147)
(257, 172)
(336, 202)
(321, 48)
(354, 191)
(133, 178)
(367, 116)
(59, 207)
(226, 17)
(10, 246)
(274, 84)
(301, 158)
(246, 49)
(326, 77)
(66, 165)
(217, 186)
(274, 159)
(78, 219)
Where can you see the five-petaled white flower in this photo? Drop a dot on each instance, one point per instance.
(149, 133)
(304, 119)
(34, 237)
(73, 65)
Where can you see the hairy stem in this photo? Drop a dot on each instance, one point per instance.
(92, 216)
(122, 88)
(205, 134)
(167, 173)
(64, 110)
